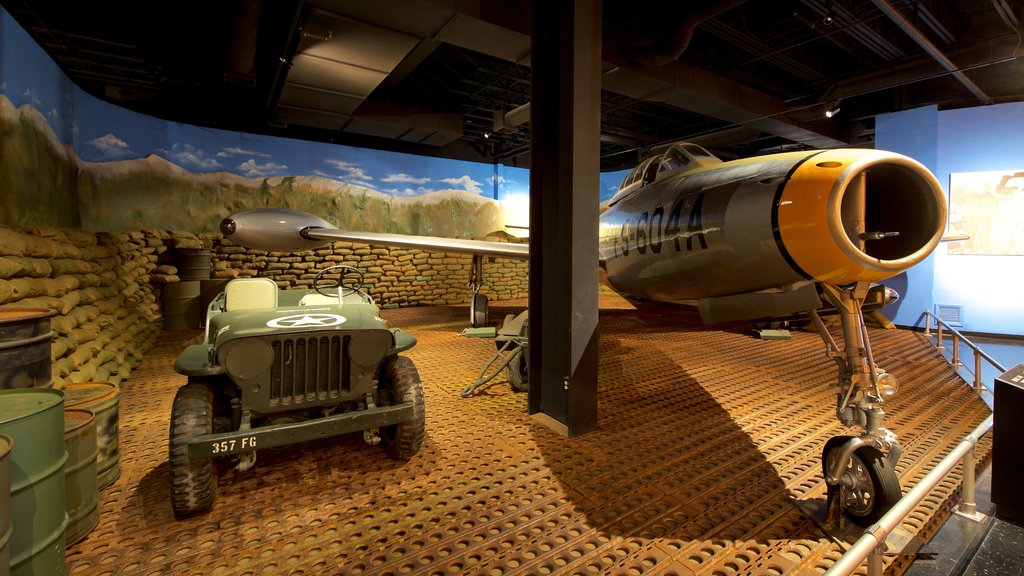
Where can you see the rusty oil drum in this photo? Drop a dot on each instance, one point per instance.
(81, 493)
(25, 336)
(5, 504)
(34, 419)
(102, 399)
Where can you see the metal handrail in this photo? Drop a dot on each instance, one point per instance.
(957, 337)
(871, 545)
(872, 542)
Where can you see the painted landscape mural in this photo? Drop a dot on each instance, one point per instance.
(72, 160)
(46, 183)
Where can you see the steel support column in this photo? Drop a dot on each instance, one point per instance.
(564, 197)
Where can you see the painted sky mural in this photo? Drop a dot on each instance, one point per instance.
(100, 132)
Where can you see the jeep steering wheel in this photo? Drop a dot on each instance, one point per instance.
(339, 282)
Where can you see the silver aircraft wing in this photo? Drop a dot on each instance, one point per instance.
(277, 229)
(457, 245)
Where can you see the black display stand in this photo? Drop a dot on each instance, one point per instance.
(1008, 445)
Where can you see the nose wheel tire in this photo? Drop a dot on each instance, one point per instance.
(872, 487)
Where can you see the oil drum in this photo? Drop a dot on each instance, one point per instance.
(34, 419)
(180, 303)
(102, 399)
(81, 494)
(25, 336)
(5, 504)
(192, 263)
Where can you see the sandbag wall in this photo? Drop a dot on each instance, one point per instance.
(393, 276)
(107, 310)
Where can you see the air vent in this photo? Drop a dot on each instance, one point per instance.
(950, 314)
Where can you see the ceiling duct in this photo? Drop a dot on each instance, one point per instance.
(671, 48)
(932, 50)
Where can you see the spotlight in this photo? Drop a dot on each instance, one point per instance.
(487, 134)
(830, 16)
(832, 111)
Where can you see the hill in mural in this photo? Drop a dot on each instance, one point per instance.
(46, 184)
(118, 195)
(37, 172)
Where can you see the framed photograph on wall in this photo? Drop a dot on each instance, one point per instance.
(988, 208)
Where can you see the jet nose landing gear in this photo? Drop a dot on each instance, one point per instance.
(860, 471)
(861, 481)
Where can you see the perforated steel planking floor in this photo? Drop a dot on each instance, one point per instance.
(706, 435)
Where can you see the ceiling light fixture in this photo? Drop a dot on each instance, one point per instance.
(830, 15)
(832, 111)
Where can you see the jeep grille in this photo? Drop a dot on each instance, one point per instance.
(307, 369)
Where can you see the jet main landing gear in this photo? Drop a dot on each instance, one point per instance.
(478, 313)
(860, 471)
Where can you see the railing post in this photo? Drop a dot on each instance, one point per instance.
(977, 370)
(938, 337)
(875, 567)
(956, 350)
(927, 323)
(967, 505)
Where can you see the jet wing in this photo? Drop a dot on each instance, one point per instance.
(457, 245)
(278, 229)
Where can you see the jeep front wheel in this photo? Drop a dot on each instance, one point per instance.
(193, 481)
(400, 382)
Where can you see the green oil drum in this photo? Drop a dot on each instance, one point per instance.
(25, 336)
(81, 494)
(5, 504)
(180, 304)
(192, 263)
(102, 399)
(34, 419)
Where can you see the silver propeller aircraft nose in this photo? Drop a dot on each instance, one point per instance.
(273, 229)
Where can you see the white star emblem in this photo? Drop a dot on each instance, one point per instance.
(299, 320)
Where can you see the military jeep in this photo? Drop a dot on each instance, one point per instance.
(278, 367)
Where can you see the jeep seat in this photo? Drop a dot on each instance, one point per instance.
(250, 293)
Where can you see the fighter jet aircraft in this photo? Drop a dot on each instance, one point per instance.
(763, 237)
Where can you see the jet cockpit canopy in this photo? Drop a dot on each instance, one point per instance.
(672, 160)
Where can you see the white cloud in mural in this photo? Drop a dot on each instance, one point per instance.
(110, 146)
(403, 177)
(189, 155)
(350, 171)
(466, 182)
(53, 115)
(236, 151)
(32, 97)
(254, 169)
(401, 192)
(408, 191)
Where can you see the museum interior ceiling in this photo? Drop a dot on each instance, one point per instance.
(451, 78)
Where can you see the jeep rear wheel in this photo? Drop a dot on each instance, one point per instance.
(400, 382)
(193, 481)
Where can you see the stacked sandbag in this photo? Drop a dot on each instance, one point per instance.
(393, 276)
(107, 315)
